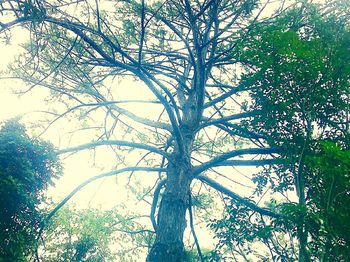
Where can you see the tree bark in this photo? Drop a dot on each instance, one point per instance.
(168, 245)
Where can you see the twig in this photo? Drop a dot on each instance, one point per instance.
(192, 227)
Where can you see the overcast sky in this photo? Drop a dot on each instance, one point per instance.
(103, 192)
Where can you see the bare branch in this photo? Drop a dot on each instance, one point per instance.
(98, 15)
(226, 118)
(159, 186)
(241, 200)
(21, 20)
(192, 228)
(116, 143)
(45, 221)
(259, 162)
(142, 30)
(239, 152)
(223, 96)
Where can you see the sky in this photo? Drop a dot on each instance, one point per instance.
(103, 193)
(77, 168)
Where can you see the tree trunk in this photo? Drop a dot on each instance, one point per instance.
(168, 245)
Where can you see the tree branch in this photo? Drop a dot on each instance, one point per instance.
(223, 96)
(192, 228)
(241, 200)
(224, 119)
(98, 16)
(21, 20)
(159, 186)
(142, 36)
(116, 143)
(221, 158)
(259, 162)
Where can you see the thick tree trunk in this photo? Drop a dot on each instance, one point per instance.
(168, 245)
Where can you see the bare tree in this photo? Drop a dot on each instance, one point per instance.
(186, 54)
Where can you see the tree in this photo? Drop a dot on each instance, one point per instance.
(328, 186)
(94, 235)
(300, 81)
(185, 58)
(325, 216)
(27, 167)
(306, 96)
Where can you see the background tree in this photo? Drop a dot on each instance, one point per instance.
(299, 77)
(27, 167)
(94, 235)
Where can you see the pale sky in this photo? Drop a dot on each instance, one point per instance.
(104, 192)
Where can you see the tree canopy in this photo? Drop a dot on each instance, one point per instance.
(27, 167)
(94, 235)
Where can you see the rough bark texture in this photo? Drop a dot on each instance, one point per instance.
(168, 245)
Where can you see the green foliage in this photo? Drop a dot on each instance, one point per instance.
(328, 199)
(31, 10)
(130, 31)
(192, 255)
(202, 201)
(298, 73)
(326, 214)
(299, 77)
(300, 83)
(83, 236)
(93, 235)
(241, 231)
(27, 167)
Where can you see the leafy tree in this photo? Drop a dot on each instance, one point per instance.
(27, 167)
(94, 235)
(186, 58)
(299, 77)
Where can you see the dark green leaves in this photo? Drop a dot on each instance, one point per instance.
(299, 77)
(27, 167)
